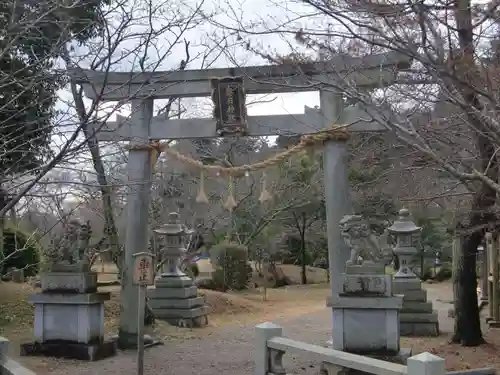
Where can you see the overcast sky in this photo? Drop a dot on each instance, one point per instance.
(230, 14)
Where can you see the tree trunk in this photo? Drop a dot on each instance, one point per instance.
(303, 273)
(467, 322)
(3, 202)
(110, 230)
(106, 193)
(271, 268)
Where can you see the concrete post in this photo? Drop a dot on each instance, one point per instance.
(263, 333)
(337, 197)
(136, 237)
(489, 252)
(494, 282)
(484, 274)
(426, 364)
(4, 349)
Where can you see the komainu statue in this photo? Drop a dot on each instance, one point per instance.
(364, 245)
(71, 252)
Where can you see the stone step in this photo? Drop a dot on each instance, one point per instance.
(196, 322)
(415, 295)
(419, 329)
(419, 317)
(173, 282)
(400, 286)
(165, 293)
(185, 303)
(180, 313)
(416, 307)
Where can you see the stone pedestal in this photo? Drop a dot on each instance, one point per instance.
(69, 318)
(175, 300)
(366, 314)
(417, 318)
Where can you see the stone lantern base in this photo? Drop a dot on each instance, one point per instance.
(417, 318)
(175, 300)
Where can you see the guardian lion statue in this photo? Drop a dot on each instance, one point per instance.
(363, 243)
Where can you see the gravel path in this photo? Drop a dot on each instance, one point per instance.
(230, 350)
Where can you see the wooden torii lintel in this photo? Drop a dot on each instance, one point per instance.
(368, 71)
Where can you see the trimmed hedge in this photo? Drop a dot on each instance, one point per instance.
(25, 248)
(233, 272)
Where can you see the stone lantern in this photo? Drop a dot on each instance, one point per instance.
(172, 239)
(174, 297)
(416, 318)
(406, 233)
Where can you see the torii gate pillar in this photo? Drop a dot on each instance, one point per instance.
(139, 171)
(337, 196)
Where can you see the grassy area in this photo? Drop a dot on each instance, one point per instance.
(16, 314)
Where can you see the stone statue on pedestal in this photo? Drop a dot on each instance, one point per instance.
(364, 245)
(71, 254)
(365, 311)
(69, 297)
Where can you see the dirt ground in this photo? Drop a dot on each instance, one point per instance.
(457, 357)
(249, 307)
(299, 309)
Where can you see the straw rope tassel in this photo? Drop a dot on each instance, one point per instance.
(202, 196)
(230, 201)
(265, 195)
(311, 152)
(155, 152)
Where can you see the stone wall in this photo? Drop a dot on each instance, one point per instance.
(9, 366)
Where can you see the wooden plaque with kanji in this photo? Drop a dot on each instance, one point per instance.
(144, 270)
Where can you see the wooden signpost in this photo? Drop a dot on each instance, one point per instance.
(144, 274)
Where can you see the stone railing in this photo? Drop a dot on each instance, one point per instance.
(7, 365)
(271, 346)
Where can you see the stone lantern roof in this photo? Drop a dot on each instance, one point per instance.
(404, 224)
(173, 227)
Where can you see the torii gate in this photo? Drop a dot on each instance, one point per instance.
(142, 88)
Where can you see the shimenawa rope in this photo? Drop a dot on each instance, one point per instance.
(339, 133)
